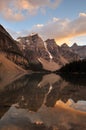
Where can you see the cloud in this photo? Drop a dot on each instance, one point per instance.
(17, 10)
(62, 30)
(82, 14)
(10, 16)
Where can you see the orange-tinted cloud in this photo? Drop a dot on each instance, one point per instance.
(17, 10)
(63, 30)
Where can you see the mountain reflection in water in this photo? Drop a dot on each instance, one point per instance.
(46, 102)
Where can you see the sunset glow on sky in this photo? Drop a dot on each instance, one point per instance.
(63, 20)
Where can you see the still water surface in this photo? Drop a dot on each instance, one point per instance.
(44, 102)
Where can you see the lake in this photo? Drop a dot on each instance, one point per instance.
(44, 102)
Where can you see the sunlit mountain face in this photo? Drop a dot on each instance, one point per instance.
(43, 101)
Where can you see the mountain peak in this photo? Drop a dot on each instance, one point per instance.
(50, 41)
(65, 45)
(74, 45)
(34, 36)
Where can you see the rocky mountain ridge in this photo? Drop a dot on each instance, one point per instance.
(36, 50)
(9, 48)
(7, 43)
(80, 50)
(48, 53)
(36, 54)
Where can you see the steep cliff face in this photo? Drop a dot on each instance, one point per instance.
(34, 44)
(54, 50)
(33, 49)
(68, 53)
(9, 48)
(43, 54)
(7, 43)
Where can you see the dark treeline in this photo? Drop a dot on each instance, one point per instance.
(76, 79)
(75, 67)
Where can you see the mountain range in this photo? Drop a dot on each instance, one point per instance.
(32, 53)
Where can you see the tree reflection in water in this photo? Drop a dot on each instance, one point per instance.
(39, 101)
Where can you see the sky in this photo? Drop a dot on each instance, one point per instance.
(62, 20)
